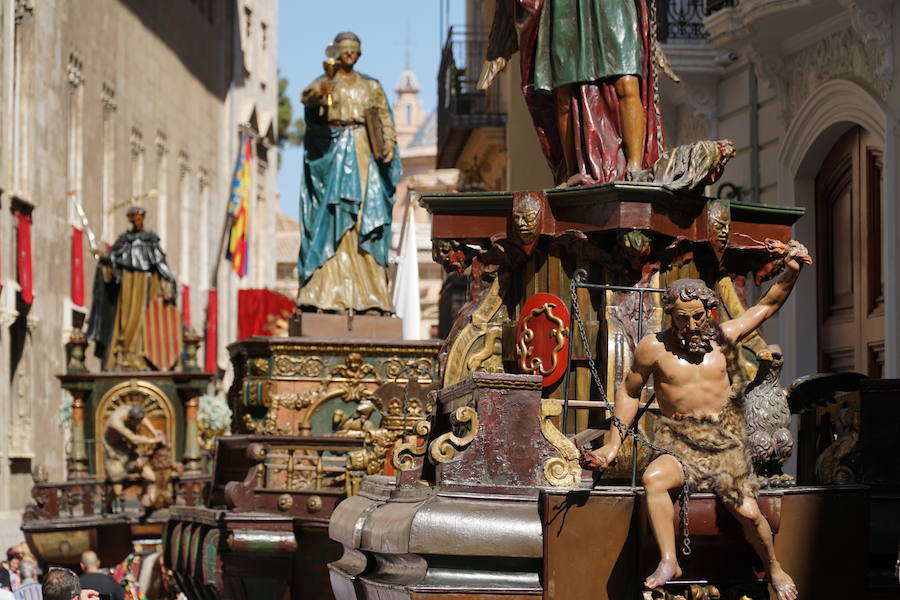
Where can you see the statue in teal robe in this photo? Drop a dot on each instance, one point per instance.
(348, 194)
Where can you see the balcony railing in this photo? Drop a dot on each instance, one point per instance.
(680, 20)
(461, 107)
(93, 498)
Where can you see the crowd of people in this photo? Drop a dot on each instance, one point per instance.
(22, 579)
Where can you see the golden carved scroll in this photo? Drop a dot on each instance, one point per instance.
(445, 446)
(563, 470)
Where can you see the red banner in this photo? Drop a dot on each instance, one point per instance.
(212, 308)
(186, 305)
(23, 257)
(77, 267)
(263, 312)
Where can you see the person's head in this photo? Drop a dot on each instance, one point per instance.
(689, 302)
(89, 562)
(14, 557)
(349, 49)
(134, 418)
(27, 570)
(136, 215)
(60, 584)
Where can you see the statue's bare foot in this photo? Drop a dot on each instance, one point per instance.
(666, 571)
(784, 586)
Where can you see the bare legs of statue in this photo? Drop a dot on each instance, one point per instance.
(631, 115)
(634, 123)
(566, 132)
(665, 474)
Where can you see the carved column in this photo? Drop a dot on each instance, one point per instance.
(191, 456)
(78, 465)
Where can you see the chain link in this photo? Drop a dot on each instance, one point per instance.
(627, 431)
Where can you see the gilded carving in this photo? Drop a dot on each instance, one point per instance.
(404, 455)
(420, 369)
(463, 431)
(525, 351)
(474, 348)
(314, 504)
(285, 502)
(275, 402)
(259, 366)
(354, 368)
(563, 470)
(295, 366)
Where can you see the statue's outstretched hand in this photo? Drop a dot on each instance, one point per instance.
(797, 256)
(489, 72)
(599, 459)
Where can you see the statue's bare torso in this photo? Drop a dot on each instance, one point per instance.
(696, 388)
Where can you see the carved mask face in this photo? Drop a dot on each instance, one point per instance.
(719, 225)
(527, 213)
(692, 326)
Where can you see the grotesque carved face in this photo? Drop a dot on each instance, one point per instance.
(719, 225)
(527, 213)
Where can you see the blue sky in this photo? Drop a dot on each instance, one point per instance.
(386, 27)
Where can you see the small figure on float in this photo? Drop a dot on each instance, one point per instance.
(700, 394)
(351, 171)
(123, 460)
(129, 277)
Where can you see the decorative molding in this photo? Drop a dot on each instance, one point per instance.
(873, 22)
(162, 143)
(445, 446)
(24, 8)
(563, 470)
(108, 98)
(137, 142)
(73, 72)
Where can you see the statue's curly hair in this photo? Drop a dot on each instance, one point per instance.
(687, 290)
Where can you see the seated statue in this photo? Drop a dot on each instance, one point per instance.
(698, 388)
(123, 460)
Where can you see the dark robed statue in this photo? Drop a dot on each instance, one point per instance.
(351, 171)
(132, 274)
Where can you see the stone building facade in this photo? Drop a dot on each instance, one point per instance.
(808, 92)
(103, 101)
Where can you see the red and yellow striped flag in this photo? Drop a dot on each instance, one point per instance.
(238, 210)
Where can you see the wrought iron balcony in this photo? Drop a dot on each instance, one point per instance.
(682, 20)
(461, 107)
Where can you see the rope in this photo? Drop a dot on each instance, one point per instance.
(632, 432)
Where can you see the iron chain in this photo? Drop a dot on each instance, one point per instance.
(625, 430)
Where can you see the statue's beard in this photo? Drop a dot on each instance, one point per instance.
(698, 341)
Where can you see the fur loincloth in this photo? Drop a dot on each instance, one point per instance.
(714, 453)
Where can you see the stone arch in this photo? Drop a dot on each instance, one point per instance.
(828, 112)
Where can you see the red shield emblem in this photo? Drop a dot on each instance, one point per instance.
(542, 337)
(162, 334)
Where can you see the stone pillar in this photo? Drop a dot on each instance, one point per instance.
(78, 459)
(191, 456)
